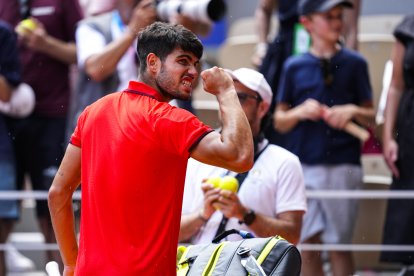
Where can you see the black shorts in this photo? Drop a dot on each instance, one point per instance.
(39, 147)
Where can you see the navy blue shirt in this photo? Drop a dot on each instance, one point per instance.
(9, 61)
(10, 69)
(302, 78)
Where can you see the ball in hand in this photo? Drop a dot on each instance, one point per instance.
(214, 180)
(26, 24)
(229, 183)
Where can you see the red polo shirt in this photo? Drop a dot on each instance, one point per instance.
(134, 157)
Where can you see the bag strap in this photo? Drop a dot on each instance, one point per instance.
(242, 233)
(208, 270)
(240, 177)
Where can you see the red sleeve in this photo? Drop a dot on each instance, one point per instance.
(76, 138)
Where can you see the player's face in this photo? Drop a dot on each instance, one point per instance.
(178, 75)
(328, 25)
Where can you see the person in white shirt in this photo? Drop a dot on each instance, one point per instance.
(271, 200)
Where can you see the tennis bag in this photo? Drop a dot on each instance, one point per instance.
(250, 256)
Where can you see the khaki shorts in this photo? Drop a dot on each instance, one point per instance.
(334, 218)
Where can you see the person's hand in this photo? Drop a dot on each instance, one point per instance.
(259, 53)
(390, 152)
(35, 39)
(338, 116)
(144, 14)
(310, 109)
(216, 81)
(211, 195)
(229, 204)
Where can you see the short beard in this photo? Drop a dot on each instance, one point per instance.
(167, 93)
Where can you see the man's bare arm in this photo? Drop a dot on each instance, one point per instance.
(233, 147)
(64, 184)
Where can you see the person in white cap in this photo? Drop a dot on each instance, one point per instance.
(271, 198)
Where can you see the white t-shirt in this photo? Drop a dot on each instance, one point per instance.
(89, 42)
(274, 185)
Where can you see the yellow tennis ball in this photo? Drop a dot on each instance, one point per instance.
(229, 183)
(26, 24)
(214, 180)
(180, 251)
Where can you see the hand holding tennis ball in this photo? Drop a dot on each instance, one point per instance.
(214, 180)
(229, 183)
(26, 24)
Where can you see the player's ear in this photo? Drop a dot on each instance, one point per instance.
(153, 63)
(263, 108)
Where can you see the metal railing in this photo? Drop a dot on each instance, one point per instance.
(322, 194)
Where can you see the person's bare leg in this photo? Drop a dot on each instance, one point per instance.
(311, 260)
(342, 263)
(47, 230)
(6, 227)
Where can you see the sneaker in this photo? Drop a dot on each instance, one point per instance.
(16, 262)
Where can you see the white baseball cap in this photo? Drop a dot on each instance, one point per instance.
(254, 81)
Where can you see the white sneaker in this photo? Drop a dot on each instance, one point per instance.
(17, 262)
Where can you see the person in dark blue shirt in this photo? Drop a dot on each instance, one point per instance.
(9, 79)
(320, 94)
(270, 57)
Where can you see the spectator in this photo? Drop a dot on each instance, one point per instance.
(106, 55)
(321, 92)
(134, 147)
(398, 146)
(45, 53)
(271, 200)
(96, 7)
(269, 58)
(9, 78)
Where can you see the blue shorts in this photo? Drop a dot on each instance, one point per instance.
(332, 217)
(9, 209)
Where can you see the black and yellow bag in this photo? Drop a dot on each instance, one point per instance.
(274, 256)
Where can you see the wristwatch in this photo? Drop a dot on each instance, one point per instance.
(249, 217)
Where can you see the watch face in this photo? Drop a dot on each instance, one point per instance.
(249, 217)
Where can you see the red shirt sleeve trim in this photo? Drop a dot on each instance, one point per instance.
(198, 140)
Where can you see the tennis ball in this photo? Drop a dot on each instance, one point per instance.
(180, 251)
(229, 183)
(26, 24)
(214, 180)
